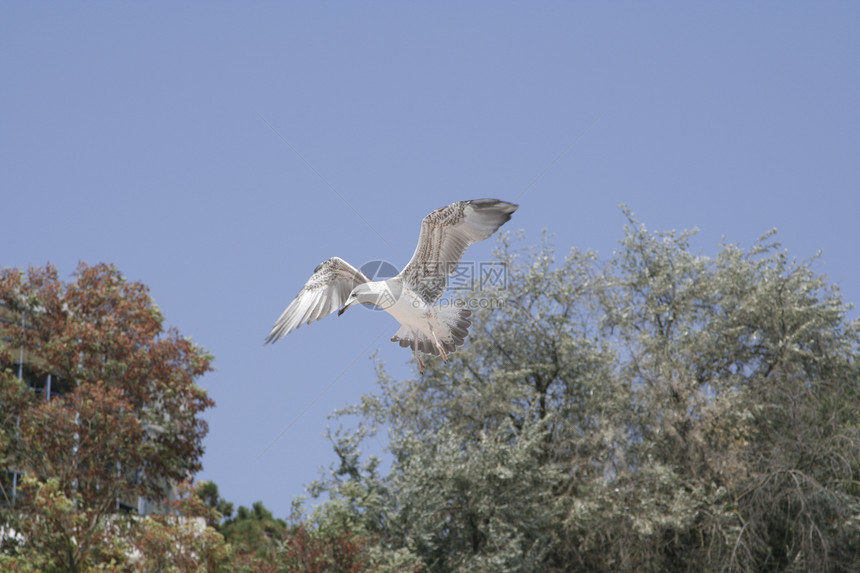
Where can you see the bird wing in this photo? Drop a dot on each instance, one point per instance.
(325, 292)
(445, 235)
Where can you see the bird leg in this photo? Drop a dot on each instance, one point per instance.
(439, 347)
(418, 358)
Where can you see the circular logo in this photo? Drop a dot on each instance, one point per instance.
(378, 271)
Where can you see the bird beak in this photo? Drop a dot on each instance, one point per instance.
(346, 306)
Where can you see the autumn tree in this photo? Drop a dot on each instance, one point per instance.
(180, 540)
(659, 410)
(127, 422)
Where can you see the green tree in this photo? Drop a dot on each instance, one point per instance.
(657, 411)
(327, 540)
(219, 507)
(254, 531)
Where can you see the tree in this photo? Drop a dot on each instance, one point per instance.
(255, 532)
(319, 543)
(128, 423)
(219, 508)
(181, 540)
(658, 411)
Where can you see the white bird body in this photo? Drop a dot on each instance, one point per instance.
(428, 327)
(411, 296)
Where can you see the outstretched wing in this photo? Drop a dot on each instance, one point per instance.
(325, 292)
(445, 235)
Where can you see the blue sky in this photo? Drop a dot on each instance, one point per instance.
(137, 134)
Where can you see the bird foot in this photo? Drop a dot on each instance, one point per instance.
(440, 348)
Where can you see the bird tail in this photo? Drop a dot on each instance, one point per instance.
(448, 332)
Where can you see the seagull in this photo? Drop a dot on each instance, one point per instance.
(411, 296)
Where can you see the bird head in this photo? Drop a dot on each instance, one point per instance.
(371, 293)
(350, 300)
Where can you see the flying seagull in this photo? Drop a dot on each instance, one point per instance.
(411, 296)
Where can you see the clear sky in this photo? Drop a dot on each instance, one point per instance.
(138, 134)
